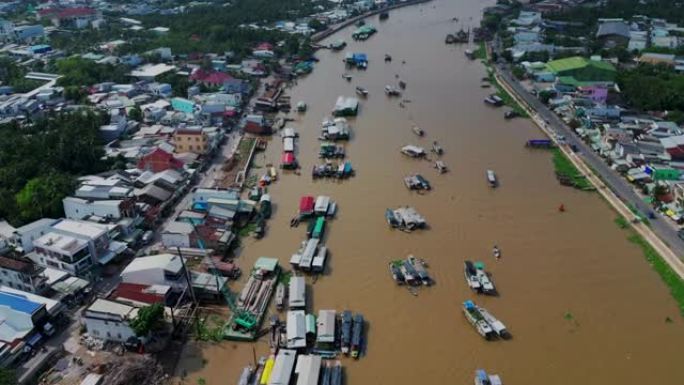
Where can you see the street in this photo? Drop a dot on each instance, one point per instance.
(625, 191)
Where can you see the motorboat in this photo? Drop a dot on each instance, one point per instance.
(470, 273)
(418, 131)
(361, 91)
(391, 91)
(491, 179)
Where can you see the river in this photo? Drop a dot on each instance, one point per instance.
(582, 303)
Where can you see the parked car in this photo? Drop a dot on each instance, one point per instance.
(680, 234)
(147, 237)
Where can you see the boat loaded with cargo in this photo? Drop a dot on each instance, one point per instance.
(405, 218)
(482, 378)
(357, 335)
(346, 332)
(491, 179)
(413, 151)
(417, 182)
(477, 278)
(484, 322)
(410, 271)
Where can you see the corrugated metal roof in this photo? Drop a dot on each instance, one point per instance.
(308, 369)
(297, 292)
(326, 326)
(296, 329)
(282, 370)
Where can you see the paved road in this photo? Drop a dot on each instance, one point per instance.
(612, 179)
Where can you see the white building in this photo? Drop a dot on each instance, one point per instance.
(22, 274)
(101, 248)
(160, 269)
(77, 208)
(150, 71)
(62, 252)
(177, 234)
(25, 235)
(109, 320)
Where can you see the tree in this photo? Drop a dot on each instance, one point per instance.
(316, 25)
(7, 377)
(42, 196)
(74, 93)
(545, 96)
(148, 319)
(518, 72)
(136, 114)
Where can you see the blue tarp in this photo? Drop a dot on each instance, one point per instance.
(360, 58)
(200, 206)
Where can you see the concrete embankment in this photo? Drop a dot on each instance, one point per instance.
(639, 226)
(337, 27)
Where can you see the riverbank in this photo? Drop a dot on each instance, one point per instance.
(315, 38)
(547, 269)
(663, 250)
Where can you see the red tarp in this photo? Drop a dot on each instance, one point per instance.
(306, 205)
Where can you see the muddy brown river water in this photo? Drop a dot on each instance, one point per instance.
(583, 305)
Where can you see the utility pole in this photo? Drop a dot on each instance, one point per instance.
(186, 273)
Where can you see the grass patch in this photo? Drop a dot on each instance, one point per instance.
(481, 52)
(671, 279)
(245, 231)
(621, 222)
(567, 171)
(285, 277)
(209, 329)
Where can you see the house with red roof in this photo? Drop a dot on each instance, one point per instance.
(210, 78)
(77, 17)
(264, 46)
(159, 160)
(136, 294)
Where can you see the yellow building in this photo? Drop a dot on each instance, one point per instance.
(191, 140)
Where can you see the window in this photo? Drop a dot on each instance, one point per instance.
(95, 332)
(196, 139)
(118, 335)
(4, 272)
(109, 334)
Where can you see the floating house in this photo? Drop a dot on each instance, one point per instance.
(346, 106)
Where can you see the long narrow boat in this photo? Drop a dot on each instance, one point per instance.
(420, 269)
(470, 274)
(498, 326)
(357, 334)
(326, 373)
(491, 179)
(395, 271)
(336, 376)
(482, 378)
(280, 296)
(246, 375)
(345, 338)
(487, 286)
(473, 315)
(261, 365)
